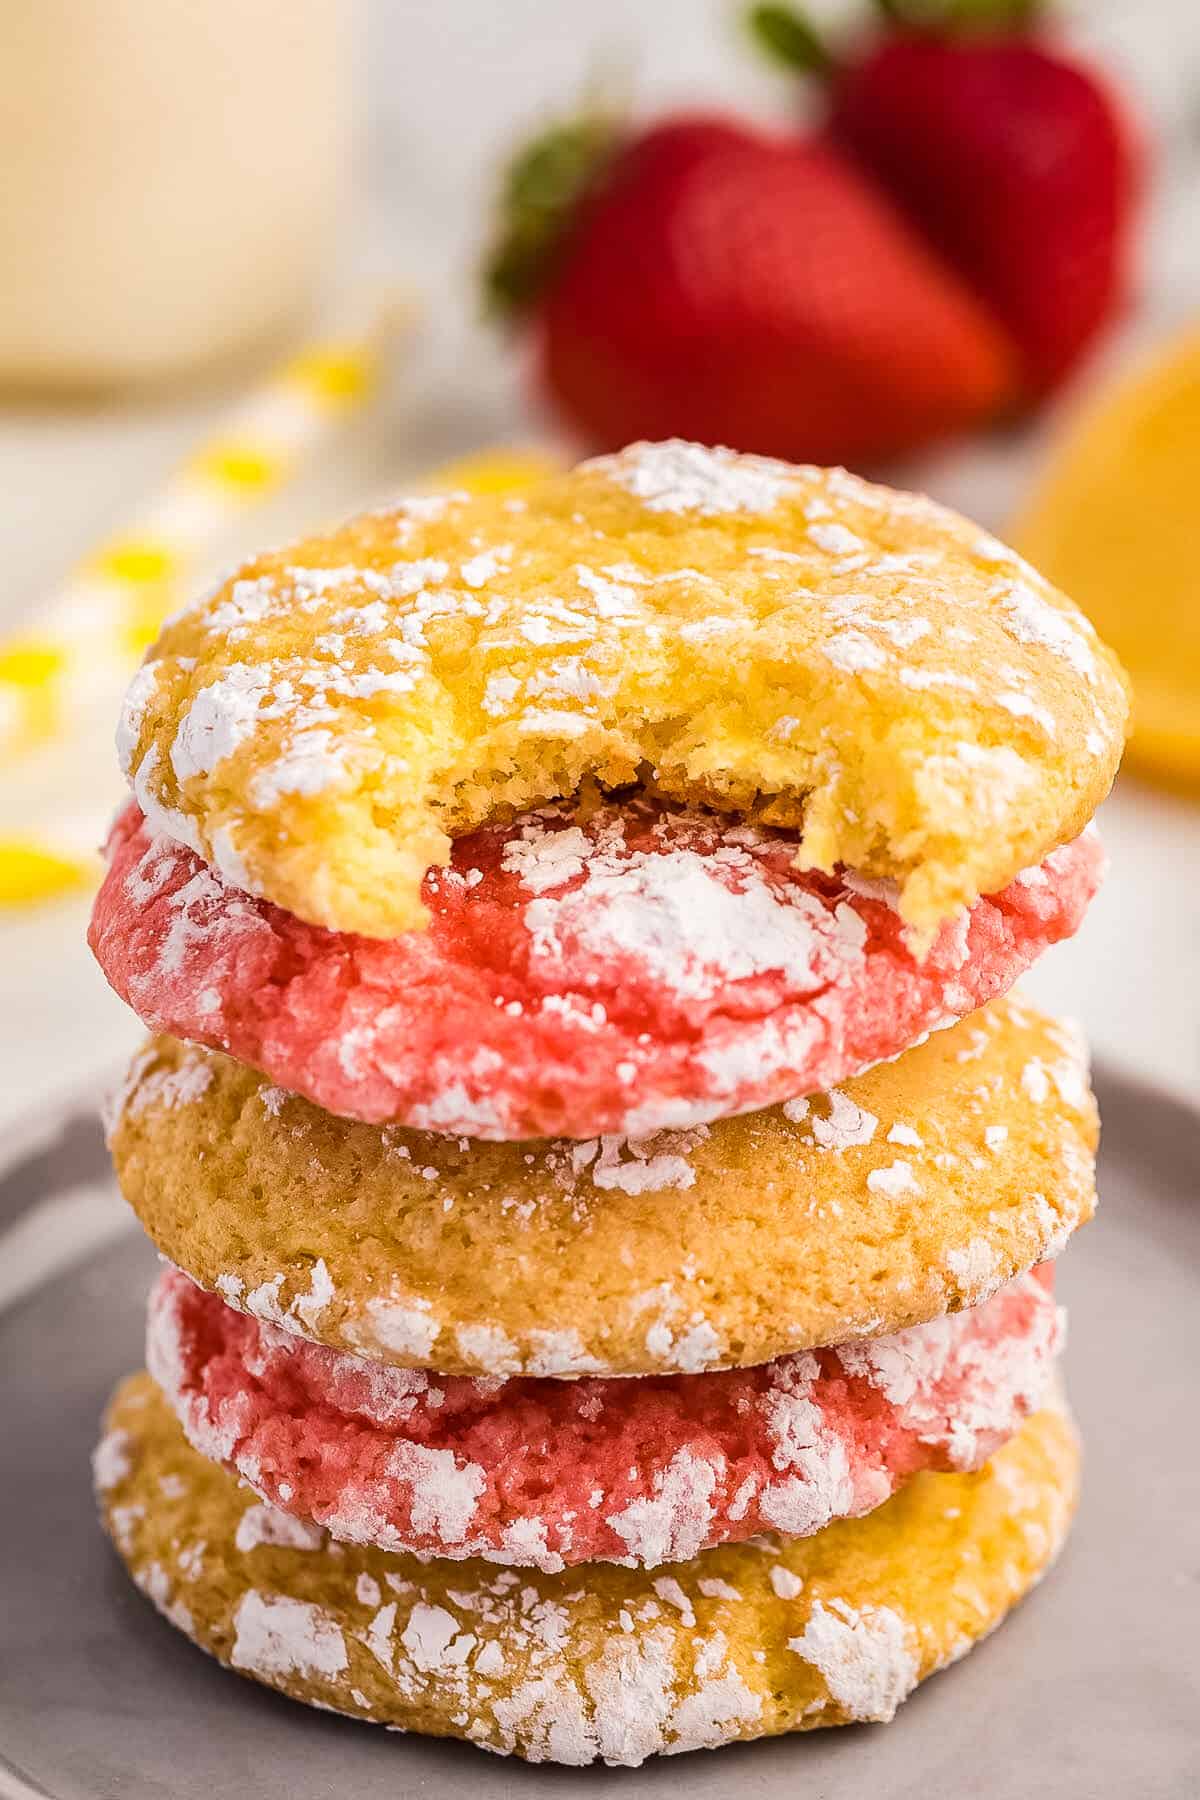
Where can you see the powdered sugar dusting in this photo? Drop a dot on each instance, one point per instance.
(845, 1125)
(866, 1656)
(815, 1484)
(997, 1376)
(277, 1635)
(138, 695)
(111, 1462)
(975, 1267)
(1033, 620)
(719, 1709)
(695, 921)
(680, 477)
(429, 1635)
(221, 718)
(896, 1180)
(641, 1165)
(266, 1524)
(672, 1523)
(445, 1491)
(309, 1307)
(148, 1088)
(405, 1326)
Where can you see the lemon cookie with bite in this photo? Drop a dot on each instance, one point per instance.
(781, 642)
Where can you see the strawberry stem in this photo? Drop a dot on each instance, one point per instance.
(790, 38)
(960, 15)
(542, 187)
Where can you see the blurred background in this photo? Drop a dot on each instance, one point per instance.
(243, 247)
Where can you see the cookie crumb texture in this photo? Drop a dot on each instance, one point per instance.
(615, 969)
(915, 1189)
(787, 643)
(601, 1662)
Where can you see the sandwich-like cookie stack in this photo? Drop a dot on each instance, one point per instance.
(608, 1187)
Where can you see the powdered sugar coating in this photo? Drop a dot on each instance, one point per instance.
(867, 1657)
(855, 663)
(626, 971)
(277, 1636)
(546, 1474)
(599, 1662)
(680, 477)
(268, 1525)
(110, 1460)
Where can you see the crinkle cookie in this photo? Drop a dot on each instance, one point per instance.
(545, 1474)
(598, 1662)
(619, 969)
(915, 1189)
(788, 643)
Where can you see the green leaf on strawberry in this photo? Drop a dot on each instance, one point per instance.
(790, 38)
(544, 185)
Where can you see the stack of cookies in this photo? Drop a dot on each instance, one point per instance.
(609, 1190)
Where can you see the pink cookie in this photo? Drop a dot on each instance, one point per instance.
(545, 1473)
(634, 971)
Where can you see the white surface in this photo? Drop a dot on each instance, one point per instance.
(450, 86)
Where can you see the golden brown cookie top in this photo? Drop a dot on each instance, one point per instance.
(914, 1189)
(786, 640)
(600, 1662)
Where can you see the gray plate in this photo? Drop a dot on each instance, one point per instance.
(1092, 1690)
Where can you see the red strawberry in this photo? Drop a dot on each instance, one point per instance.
(717, 283)
(1014, 162)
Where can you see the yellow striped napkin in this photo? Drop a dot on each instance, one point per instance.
(61, 680)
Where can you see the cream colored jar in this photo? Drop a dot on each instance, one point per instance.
(171, 173)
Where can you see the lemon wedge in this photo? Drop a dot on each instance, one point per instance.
(1115, 522)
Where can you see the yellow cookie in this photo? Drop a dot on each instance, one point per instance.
(917, 1188)
(788, 641)
(601, 1661)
